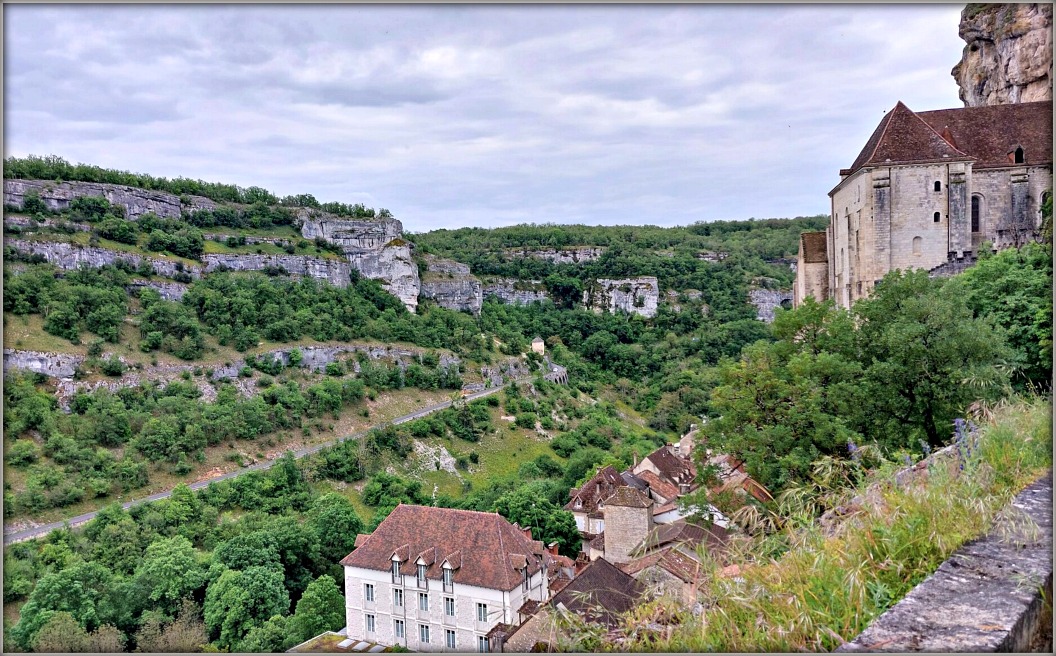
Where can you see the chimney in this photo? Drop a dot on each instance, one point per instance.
(552, 548)
(527, 532)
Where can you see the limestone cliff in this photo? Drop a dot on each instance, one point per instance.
(336, 272)
(516, 292)
(559, 255)
(57, 196)
(635, 295)
(451, 285)
(70, 256)
(766, 301)
(375, 248)
(1008, 56)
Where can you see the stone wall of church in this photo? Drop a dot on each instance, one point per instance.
(914, 203)
(994, 187)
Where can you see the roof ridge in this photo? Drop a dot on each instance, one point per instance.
(505, 555)
(934, 131)
(887, 123)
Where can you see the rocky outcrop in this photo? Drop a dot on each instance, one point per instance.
(635, 295)
(57, 196)
(169, 291)
(70, 256)
(559, 255)
(451, 285)
(766, 301)
(516, 292)
(375, 248)
(336, 272)
(27, 222)
(56, 365)
(1008, 56)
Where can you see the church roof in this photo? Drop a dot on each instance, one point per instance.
(904, 138)
(986, 136)
(991, 134)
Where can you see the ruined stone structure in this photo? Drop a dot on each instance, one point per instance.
(929, 189)
(1008, 56)
(635, 295)
(766, 302)
(812, 274)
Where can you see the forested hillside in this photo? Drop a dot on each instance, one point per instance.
(146, 352)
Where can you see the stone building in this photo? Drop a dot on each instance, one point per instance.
(927, 191)
(441, 579)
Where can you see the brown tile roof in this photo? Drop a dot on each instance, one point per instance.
(656, 484)
(902, 137)
(628, 497)
(682, 532)
(672, 467)
(815, 247)
(594, 491)
(667, 507)
(483, 547)
(670, 559)
(600, 593)
(986, 135)
(990, 134)
(598, 543)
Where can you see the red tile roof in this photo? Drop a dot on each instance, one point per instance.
(675, 469)
(484, 548)
(628, 497)
(904, 138)
(656, 484)
(594, 491)
(682, 532)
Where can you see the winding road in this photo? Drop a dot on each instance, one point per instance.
(10, 537)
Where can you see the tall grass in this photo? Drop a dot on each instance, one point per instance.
(830, 582)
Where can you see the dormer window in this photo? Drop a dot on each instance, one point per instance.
(421, 575)
(396, 578)
(524, 582)
(1018, 156)
(449, 579)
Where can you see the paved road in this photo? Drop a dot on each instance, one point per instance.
(29, 533)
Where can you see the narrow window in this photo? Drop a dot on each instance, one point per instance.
(916, 245)
(977, 204)
(449, 606)
(449, 580)
(482, 644)
(423, 633)
(525, 582)
(368, 592)
(482, 612)
(937, 217)
(421, 575)
(397, 597)
(450, 636)
(423, 601)
(938, 185)
(370, 623)
(397, 627)
(396, 571)
(1019, 159)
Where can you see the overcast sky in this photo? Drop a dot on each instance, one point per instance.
(460, 115)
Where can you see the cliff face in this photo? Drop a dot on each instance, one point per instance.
(69, 256)
(635, 295)
(451, 285)
(516, 292)
(58, 196)
(375, 248)
(336, 272)
(560, 255)
(1008, 58)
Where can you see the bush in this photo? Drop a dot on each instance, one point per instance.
(113, 366)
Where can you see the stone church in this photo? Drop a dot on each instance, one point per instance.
(927, 191)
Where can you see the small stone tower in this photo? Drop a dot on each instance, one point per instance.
(628, 520)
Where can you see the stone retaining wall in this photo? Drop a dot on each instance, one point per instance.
(993, 594)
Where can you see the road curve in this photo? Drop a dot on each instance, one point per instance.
(43, 529)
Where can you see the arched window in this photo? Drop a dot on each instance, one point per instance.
(938, 185)
(916, 245)
(977, 213)
(1019, 155)
(937, 217)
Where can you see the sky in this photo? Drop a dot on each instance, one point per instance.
(453, 116)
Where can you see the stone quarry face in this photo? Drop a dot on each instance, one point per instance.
(1008, 56)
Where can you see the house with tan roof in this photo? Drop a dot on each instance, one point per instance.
(441, 579)
(927, 191)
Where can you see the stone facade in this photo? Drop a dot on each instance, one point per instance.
(930, 189)
(812, 274)
(628, 520)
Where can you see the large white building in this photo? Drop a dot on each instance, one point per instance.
(439, 579)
